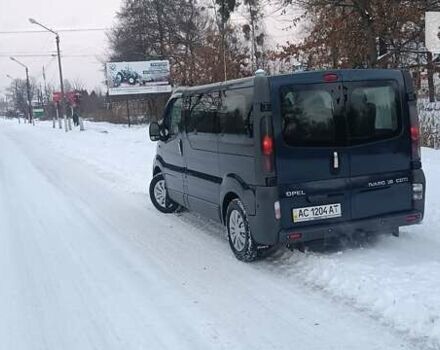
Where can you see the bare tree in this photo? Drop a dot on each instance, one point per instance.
(185, 32)
(18, 92)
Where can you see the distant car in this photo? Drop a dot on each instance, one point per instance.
(126, 75)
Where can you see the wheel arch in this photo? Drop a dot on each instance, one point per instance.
(233, 187)
(156, 170)
(157, 166)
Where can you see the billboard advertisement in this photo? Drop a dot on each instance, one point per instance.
(140, 77)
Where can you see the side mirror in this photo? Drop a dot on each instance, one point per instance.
(155, 134)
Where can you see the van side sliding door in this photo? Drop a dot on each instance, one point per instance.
(201, 153)
(236, 139)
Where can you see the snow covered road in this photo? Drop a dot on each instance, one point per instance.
(86, 262)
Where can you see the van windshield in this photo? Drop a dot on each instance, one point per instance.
(310, 117)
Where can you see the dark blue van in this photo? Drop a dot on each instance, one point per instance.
(293, 158)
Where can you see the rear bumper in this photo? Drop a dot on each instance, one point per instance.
(376, 224)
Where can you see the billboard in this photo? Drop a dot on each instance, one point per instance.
(432, 31)
(140, 77)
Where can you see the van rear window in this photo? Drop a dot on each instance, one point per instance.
(308, 117)
(372, 114)
(313, 116)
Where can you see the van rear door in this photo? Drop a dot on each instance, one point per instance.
(312, 163)
(379, 146)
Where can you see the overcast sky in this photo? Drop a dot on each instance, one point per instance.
(59, 15)
(56, 15)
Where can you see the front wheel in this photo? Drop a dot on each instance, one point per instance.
(159, 196)
(240, 238)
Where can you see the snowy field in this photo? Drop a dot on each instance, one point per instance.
(86, 262)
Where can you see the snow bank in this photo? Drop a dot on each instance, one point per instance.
(395, 280)
(120, 154)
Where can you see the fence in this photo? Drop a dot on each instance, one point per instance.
(429, 116)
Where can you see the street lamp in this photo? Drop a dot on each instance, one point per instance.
(57, 39)
(28, 87)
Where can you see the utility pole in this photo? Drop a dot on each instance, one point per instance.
(28, 90)
(45, 84)
(28, 87)
(430, 68)
(63, 99)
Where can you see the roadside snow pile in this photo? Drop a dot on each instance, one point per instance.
(120, 154)
(395, 280)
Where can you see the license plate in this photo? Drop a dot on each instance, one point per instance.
(319, 212)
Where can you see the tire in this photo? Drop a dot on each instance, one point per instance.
(239, 234)
(131, 81)
(159, 196)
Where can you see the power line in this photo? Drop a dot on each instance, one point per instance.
(27, 55)
(59, 30)
(47, 55)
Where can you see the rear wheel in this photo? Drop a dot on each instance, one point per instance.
(159, 196)
(240, 238)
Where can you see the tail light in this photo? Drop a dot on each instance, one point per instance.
(412, 218)
(330, 77)
(294, 236)
(415, 135)
(415, 140)
(267, 145)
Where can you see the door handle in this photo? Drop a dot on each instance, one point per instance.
(335, 163)
(180, 147)
(335, 160)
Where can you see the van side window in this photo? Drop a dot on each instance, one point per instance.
(235, 112)
(308, 117)
(173, 119)
(201, 114)
(372, 114)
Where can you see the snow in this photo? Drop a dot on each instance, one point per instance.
(86, 262)
(395, 280)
